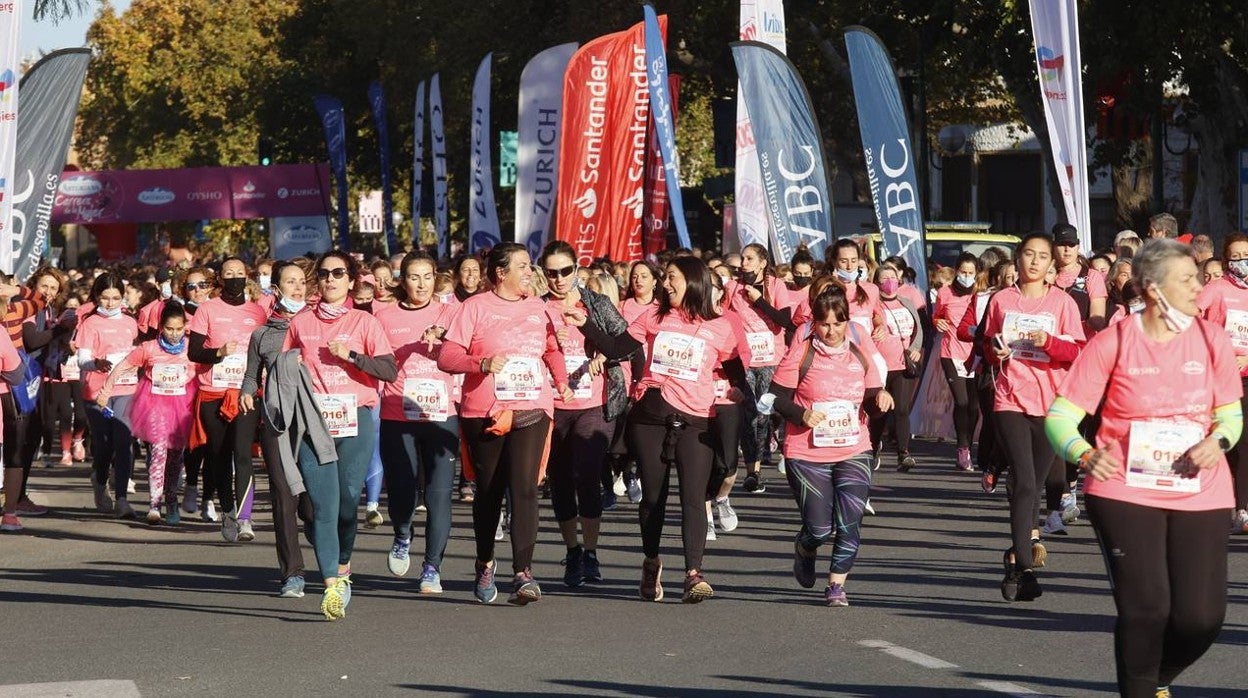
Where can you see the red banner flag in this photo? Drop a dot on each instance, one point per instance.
(603, 152)
(656, 223)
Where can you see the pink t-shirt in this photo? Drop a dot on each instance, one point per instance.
(761, 340)
(1227, 307)
(1178, 382)
(861, 314)
(683, 356)
(590, 391)
(105, 338)
(221, 323)
(330, 374)
(169, 374)
(630, 309)
(951, 307)
(834, 385)
(487, 326)
(148, 316)
(266, 301)
(900, 326)
(1028, 380)
(914, 295)
(1094, 282)
(421, 393)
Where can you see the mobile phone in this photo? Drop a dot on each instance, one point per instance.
(1000, 343)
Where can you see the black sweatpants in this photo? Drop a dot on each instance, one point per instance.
(502, 463)
(726, 435)
(1030, 456)
(578, 450)
(229, 454)
(902, 390)
(1168, 573)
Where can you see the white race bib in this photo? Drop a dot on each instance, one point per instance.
(425, 400)
(228, 373)
(677, 355)
(840, 429)
(721, 389)
(1237, 327)
(1016, 325)
(582, 383)
(762, 346)
(70, 370)
(168, 379)
(901, 322)
(863, 321)
(129, 377)
(1153, 448)
(520, 379)
(340, 414)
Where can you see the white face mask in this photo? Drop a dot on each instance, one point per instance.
(1135, 306)
(1175, 319)
(266, 281)
(966, 280)
(166, 289)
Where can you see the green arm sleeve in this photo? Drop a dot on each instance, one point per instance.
(1061, 425)
(1228, 421)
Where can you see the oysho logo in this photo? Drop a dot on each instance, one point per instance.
(156, 196)
(1050, 63)
(587, 202)
(204, 196)
(78, 186)
(1193, 368)
(1143, 371)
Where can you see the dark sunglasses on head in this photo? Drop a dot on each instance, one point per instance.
(560, 273)
(338, 273)
(198, 285)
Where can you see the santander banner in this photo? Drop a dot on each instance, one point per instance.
(602, 156)
(152, 196)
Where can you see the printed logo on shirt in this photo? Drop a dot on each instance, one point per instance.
(1143, 371)
(250, 322)
(1193, 368)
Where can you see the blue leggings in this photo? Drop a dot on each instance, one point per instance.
(831, 497)
(335, 492)
(420, 456)
(372, 483)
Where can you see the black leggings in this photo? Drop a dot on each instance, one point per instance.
(16, 434)
(578, 449)
(965, 403)
(1237, 458)
(991, 454)
(229, 455)
(1030, 456)
(63, 411)
(902, 390)
(726, 435)
(510, 462)
(194, 460)
(1168, 574)
(695, 454)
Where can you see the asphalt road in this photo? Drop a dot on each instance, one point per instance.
(94, 606)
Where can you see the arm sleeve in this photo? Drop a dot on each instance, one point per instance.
(1061, 425)
(200, 354)
(384, 368)
(782, 317)
(251, 377)
(1228, 421)
(1062, 351)
(784, 405)
(615, 348)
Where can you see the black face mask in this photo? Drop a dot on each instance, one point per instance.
(802, 281)
(366, 307)
(749, 278)
(233, 288)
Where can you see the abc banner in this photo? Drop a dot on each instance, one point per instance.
(663, 118)
(50, 94)
(1058, 63)
(602, 154)
(294, 236)
(377, 102)
(482, 213)
(761, 20)
(441, 220)
(537, 150)
(10, 20)
(790, 150)
(418, 161)
(330, 111)
(886, 149)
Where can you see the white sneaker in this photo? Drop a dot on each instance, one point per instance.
(190, 501)
(727, 515)
(103, 502)
(245, 532)
(1239, 522)
(130, 488)
(153, 515)
(499, 533)
(875, 459)
(123, 510)
(710, 527)
(780, 466)
(618, 486)
(868, 508)
(1053, 525)
(634, 490)
(210, 511)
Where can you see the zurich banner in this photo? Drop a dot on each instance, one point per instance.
(537, 150)
(789, 147)
(377, 101)
(663, 117)
(330, 111)
(437, 135)
(886, 149)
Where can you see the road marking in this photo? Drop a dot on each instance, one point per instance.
(1006, 687)
(71, 689)
(926, 661)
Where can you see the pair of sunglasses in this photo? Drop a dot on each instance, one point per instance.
(198, 286)
(338, 273)
(560, 273)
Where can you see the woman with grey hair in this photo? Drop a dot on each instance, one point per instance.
(1158, 488)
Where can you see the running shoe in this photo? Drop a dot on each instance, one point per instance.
(780, 466)
(524, 589)
(875, 458)
(618, 486)
(1009, 585)
(696, 589)
(964, 458)
(988, 481)
(420, 502)
(190, 500)
(905, 462)
(867, 508)
(398, 560)
(79, 450)
(333, 603)
(25, 507)
(373, 518)
(1239, 522)
(485, 590)
(123, 510)
(173, 514)
(574, 568)
(500, 533)
(593, 571)
(345, 579)
(1028, 586)
(1070, 507)
(245, 532)
(710, 527)
(835, 595)
(651, 579)
(103, 502)
(230, 528)
(634, 490)
(753, 484)
(66, 459)
(10, 523)
(1039, 554)
(803, 566)
(727, 515)
(131, 488)
(1053, 525)
(430, 580)
(1162, 692)
(153, 515)
(292, 588)
(608, 500)
(467, 493)
(210, 512)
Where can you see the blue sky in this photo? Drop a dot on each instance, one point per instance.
(69, 33)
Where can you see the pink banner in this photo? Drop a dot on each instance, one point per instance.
(213, 193)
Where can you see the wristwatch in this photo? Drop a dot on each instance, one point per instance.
(353, 356)
(1224, 443)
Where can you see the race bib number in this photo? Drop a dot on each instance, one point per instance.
(581, 382)
(1237, 327)
(340, 414)
(1016, 325)
(168, 379)
(520, 379)
(1154, 448)
(425, 400)
(721, 389)
(901, 322)
(863, 321)
(70, 370)
(677, 355)
(762, 346)
(840, 429)
(129, 377)
(228, 373)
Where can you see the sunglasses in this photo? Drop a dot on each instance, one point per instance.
(198, 286)
(560, 273)
(324, 274)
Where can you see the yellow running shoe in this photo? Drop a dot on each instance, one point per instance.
(334, 600)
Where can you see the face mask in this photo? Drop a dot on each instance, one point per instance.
(847, 276)
(1175, 319)
(966, 280)
(1135, 306)
(889, 286)
(109, 313)
(166, 290)
(292, 306)
(1238, 268)
(802, 281)
(444, 298)
(366, 307)
(266, 282)
(233, 288)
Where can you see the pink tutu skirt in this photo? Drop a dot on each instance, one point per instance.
(164, 420)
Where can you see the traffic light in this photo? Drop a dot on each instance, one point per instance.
(265, 152)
